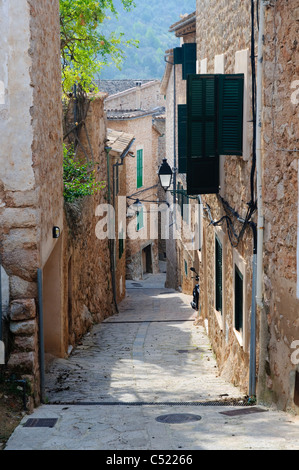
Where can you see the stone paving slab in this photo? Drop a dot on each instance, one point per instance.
(149, 360)
(136, 428)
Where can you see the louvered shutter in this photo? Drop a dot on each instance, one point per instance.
(189, 59)
(177, 55)
(230, 115)
(182, 138)
(139, 168)
(202, 155)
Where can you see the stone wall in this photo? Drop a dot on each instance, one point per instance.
(31, 166)
(277, 324)
(280, 142)
(228, 32)
(88, 293)
(144, 96)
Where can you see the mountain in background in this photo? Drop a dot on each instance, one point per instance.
(149, 22)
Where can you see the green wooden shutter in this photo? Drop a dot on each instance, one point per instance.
(139, 168)
(218, 275)
(182, 138)
(202, 155)
(189, 59)
(238, 300)
(230, 114)
(178, 55)
(140, 222)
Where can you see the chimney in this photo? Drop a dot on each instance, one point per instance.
(138, 95)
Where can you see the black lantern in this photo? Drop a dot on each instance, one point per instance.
(165, 175)
(137, 206)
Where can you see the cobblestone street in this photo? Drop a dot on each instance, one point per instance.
(137, 373)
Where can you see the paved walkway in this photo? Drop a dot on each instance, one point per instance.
(137, 373)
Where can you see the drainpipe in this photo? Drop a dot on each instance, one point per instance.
(41, 334)
(252, 360)
(111, 241)
(260, 208)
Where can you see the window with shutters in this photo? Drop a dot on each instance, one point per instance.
(186, 56)
(218, 275)
(214, 127)
(139, 168)
(238, 300)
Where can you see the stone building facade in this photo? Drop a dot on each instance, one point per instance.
(143, 94)
(89, 280)
(120, 150)
(228, 46)
(227, 54)
(31, 173)
(279, 363)
(57, 275)
(142, 249)
(180, 255)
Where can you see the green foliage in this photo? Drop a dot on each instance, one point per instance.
(79, 178)
(150, 26)
(85, 45)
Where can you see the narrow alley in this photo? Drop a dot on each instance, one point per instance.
(147, 379)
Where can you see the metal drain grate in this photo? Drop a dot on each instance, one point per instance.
(40, 423)
(228, 402)
(243, 411)
(189, 351)
(178, 418)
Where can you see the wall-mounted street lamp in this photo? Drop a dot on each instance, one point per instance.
(135, 208)
(165, 175)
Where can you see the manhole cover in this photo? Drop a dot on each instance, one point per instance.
(178, 418)
(40, 423)
(243, 411)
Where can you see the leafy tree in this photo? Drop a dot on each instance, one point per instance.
(85, 46)
(79, 178)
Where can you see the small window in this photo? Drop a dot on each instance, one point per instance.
(139, 168)
(218, 275)
(238, 300)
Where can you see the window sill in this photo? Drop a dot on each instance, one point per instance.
(239, 337)
(219, 318)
